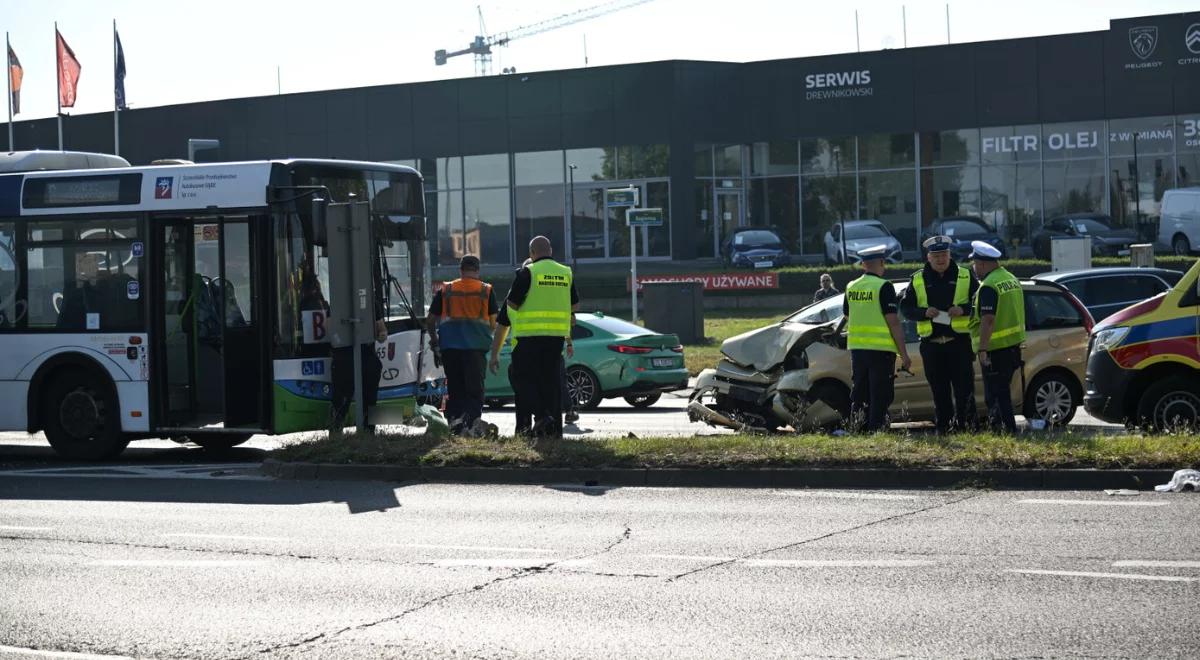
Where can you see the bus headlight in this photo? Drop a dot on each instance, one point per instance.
(1108, 338)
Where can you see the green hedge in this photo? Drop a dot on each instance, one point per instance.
(806, 279)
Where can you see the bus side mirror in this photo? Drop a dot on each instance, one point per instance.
(317, 222)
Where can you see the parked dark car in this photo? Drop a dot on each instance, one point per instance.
(1105, 291)
(962, 230)
(754, 248)
(1107, 240)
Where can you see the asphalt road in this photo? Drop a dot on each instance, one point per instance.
(210, 561)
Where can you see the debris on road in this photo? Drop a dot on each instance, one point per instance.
(1181, 481)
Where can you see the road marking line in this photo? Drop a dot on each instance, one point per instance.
(1165, 563)
(1119, 576)
(1092, 502)
(850, 496)
(837, 563)
(481, 548)
(690, 558)
(506, 563)
(176, 563)
(232, 537)
(60, 654)
(19, 528)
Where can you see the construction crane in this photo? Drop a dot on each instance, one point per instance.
(481, 47)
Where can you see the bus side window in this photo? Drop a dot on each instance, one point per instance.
(9, 277)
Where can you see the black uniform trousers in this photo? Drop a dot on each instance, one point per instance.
(521, 400)
(949, 368)
(342, 375)
(464, 383)
(535, 363)
(874, 374)
(997, 379)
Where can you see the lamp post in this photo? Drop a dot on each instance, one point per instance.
(1137, 196)
(571, 211)
(837, 164)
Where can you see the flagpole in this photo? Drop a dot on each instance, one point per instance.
(8, 68)
(116, 104)
(58, 84)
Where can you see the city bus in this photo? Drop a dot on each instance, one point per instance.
(189, 301)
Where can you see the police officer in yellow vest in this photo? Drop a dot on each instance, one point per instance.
(874, 337)
(541, 304)
(997, 331)
(465, 311)
(938, 300)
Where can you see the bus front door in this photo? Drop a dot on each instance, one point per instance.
(212, 352)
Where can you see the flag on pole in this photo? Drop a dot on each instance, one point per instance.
(16, 73)
(68, 72)
(119, 73)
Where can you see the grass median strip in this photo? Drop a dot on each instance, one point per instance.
(899, 450)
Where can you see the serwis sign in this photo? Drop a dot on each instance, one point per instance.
(838, 85)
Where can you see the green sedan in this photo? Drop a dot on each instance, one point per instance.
(613, 358)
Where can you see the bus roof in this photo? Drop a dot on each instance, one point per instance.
(158, 187)
(34, 161)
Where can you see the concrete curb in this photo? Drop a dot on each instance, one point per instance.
(732, 478)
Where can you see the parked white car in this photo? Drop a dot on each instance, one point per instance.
(860, 235)
(1179, 227)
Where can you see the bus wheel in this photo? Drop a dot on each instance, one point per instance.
(218, 441)
(81, 417)
(1171, 405)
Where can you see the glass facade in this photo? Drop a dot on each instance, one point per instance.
(1013, 178)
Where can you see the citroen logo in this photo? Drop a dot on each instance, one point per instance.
(1191, 38)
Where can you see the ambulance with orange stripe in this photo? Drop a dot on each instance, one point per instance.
(1144, 361)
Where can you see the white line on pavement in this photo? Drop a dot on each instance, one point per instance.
(1151, 563)
(1119, 576)
(15, 650)
(1092, 502)
(480, 548)
(699, 558)
(850, 496)
(836, 563)
(231, 537)
(177, 563)
(507, 563)
(19, 528)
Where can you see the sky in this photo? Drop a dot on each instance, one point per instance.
(179, 52)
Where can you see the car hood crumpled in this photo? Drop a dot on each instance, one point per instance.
(764, 348)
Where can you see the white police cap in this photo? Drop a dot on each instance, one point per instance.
(984, 251)
(873, 252)
(937, 243)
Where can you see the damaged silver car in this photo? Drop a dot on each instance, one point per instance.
(796, 373)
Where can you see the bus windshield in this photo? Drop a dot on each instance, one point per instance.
(401, 272)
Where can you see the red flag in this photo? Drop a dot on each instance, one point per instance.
(68, 72)
(17, 74)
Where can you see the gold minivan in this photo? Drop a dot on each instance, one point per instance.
(797, 372)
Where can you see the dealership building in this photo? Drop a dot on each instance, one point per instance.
(1013, 132)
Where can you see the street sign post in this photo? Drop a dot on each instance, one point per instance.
(351, 295)
(638, 218)
(627, 198)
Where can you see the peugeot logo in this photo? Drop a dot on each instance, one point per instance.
(1191, 38)
(1143, 40)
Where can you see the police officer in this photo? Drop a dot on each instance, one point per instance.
(465, 311)
(938, 299)
(997, 330)
(541, 303)
(874, 337)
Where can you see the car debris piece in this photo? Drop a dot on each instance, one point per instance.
(1181, 481)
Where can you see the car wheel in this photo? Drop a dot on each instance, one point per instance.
(81, 417)
(219, 442)
(1180, 246)
(1053, 396)
(1172, 404)
(643, 400)
(583, 388)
